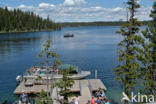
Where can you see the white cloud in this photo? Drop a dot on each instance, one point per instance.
(45, 5)
(22, 6)
(74, 2)
(117, 9)
(77, 13)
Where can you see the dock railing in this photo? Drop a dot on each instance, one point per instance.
(86, 85)
(90, 87)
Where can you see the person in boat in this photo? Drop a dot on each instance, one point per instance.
(24, 98)
(76, 100)
(56, 70)
(92, 100)
(34, 69)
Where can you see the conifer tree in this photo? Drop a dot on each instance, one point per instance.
(42, 98)
(65, 84)
(126, 71)
(148, 59)
(47, 55)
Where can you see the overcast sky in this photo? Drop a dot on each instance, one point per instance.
(79, 10)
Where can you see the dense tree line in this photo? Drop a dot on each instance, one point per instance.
(98, 23)
(17, 21)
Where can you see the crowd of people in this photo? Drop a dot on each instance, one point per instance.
(43, 71)
(99, 98)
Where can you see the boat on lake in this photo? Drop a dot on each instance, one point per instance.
(69, 35)
(38, 72)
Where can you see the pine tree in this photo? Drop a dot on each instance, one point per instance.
(148, 59)
(126, 71)
(43, 99)
(47, 55)
(65, 84)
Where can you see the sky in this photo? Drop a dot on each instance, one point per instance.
(80, 10)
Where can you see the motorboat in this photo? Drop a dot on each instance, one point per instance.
(43, 73)
(69, 35)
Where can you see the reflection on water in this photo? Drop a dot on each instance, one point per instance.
(7, 45)
(91, 48)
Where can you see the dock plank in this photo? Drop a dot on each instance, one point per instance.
(35, 89)
(96, 84)
(76, 86)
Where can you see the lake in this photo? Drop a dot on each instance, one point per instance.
(91, 48)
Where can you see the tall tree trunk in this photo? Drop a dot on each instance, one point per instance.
(47, 67)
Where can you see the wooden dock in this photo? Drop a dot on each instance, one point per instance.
(84, 87)
(34, 89)
(93, 84)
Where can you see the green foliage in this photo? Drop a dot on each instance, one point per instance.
(17, 21)
(148, 58)
(47, 55)
(43, 99)
(126, 71)
(65, 84)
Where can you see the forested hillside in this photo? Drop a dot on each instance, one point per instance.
(19, 21)
(98, 23)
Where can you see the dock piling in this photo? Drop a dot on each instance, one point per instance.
(96, 73)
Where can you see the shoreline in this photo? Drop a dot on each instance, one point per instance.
(3, 32)
(10, 32)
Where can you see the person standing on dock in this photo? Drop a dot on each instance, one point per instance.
(103, 94)
(24, 98)
(98, 101)
(76, 100)
(92, 100)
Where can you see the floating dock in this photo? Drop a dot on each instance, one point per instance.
(92, 84)
(85, 88)
(31, 89)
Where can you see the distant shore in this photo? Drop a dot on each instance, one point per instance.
(77, 24)
(5, 32)
(97, 23)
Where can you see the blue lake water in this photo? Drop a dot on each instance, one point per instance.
(91, 48)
